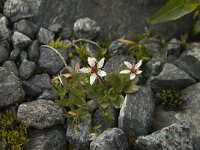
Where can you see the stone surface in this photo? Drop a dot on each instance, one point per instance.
(108, 14)
(40, 114)
(174, 137)
(56, 28)
(10, 66)
(33, 51)
(190, 61)
(26, 27)
(11, 90)
(23, 56)
(47, 139)
(79, 137)
(171, 77)
(4, 30)
(86, 28)
(92, 50)
(41, 80)
(26, 69)
(50, 61)
(174, 47)
(115, 63)
(14, 54)
(136, 114)
(4, 54)
(16, 10)
(66, 33)
(111, 139)
(31, 90)
(45, 36)
(20, 40)
(92, 104)
(50, 95)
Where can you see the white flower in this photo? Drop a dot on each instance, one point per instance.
(94, 69)
(133, 70)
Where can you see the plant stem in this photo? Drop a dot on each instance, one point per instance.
(103, 82)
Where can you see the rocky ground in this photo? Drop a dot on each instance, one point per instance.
(27, 67)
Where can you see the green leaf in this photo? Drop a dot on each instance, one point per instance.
(131, 88)
(105, 105)
(118, 102)
(62, 103)
(196, 28)
(173, 10)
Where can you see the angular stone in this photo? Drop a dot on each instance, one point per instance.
(11, 67)
(14, 54)
(40, 114)
(11, 90)
(66, 33)
(4, 30)
(23, 56)
(50, 61)
(86, 28)
(31, 90)
(45, 36)
(4, 54)
(190, 61)
(26, 27)
(41, 80)
(115, 63)
(26, 69)
(20, 40)
(79, 137)
(136, 114)
(50, 95)
(16, 10)
(111, 139)
(174, 47)
(47, 139)
(33, 51)
(174, 137)
(171, 77)
(56, 28)
(92, 50)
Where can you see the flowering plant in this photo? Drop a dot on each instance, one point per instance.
(93, 83)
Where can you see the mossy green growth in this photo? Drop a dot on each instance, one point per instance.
(13, 134)
(57, 44)
(171, 98)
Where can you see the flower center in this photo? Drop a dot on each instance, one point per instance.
(133, 70)
(94, 69)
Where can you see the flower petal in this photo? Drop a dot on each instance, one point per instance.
(128, 64)
(137, 66)
(100, 63)
(101, 73)
(85, 70)
(139, 72)
(93, 78)
(124, 72)
(132, 76)
(92, 61)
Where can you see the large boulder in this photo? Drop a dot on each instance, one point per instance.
(115, 17)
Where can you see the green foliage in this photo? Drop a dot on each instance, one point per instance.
(13, 134)
(57, 44)
(171, 98)
(174, 9)
(82, 53)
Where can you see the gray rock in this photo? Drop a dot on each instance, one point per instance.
(31, 90)
(20, 40)
(174, 47)
(26, 27)
(50, 95)
(1, 9)
(153, 67)
(174, 137)
(74, 61)
(41, 80)
(5, 44)
(11, 67)
(33, 51)
(14, 54)
(190, 61)
(66, 33)
(50, 61)
(115, 63)
(92, 104)
(11, 90)
(16, 10)
(47, 139)
(4, 54)
(92, 50)
(111, 139)
(171, 77)
(26, 69)
(117, 48)
(23, 56)
(79, 137)
(86, 28)
(4, 30)
(56, 28)
(136, 114)
(45, 36)
(40, 114)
